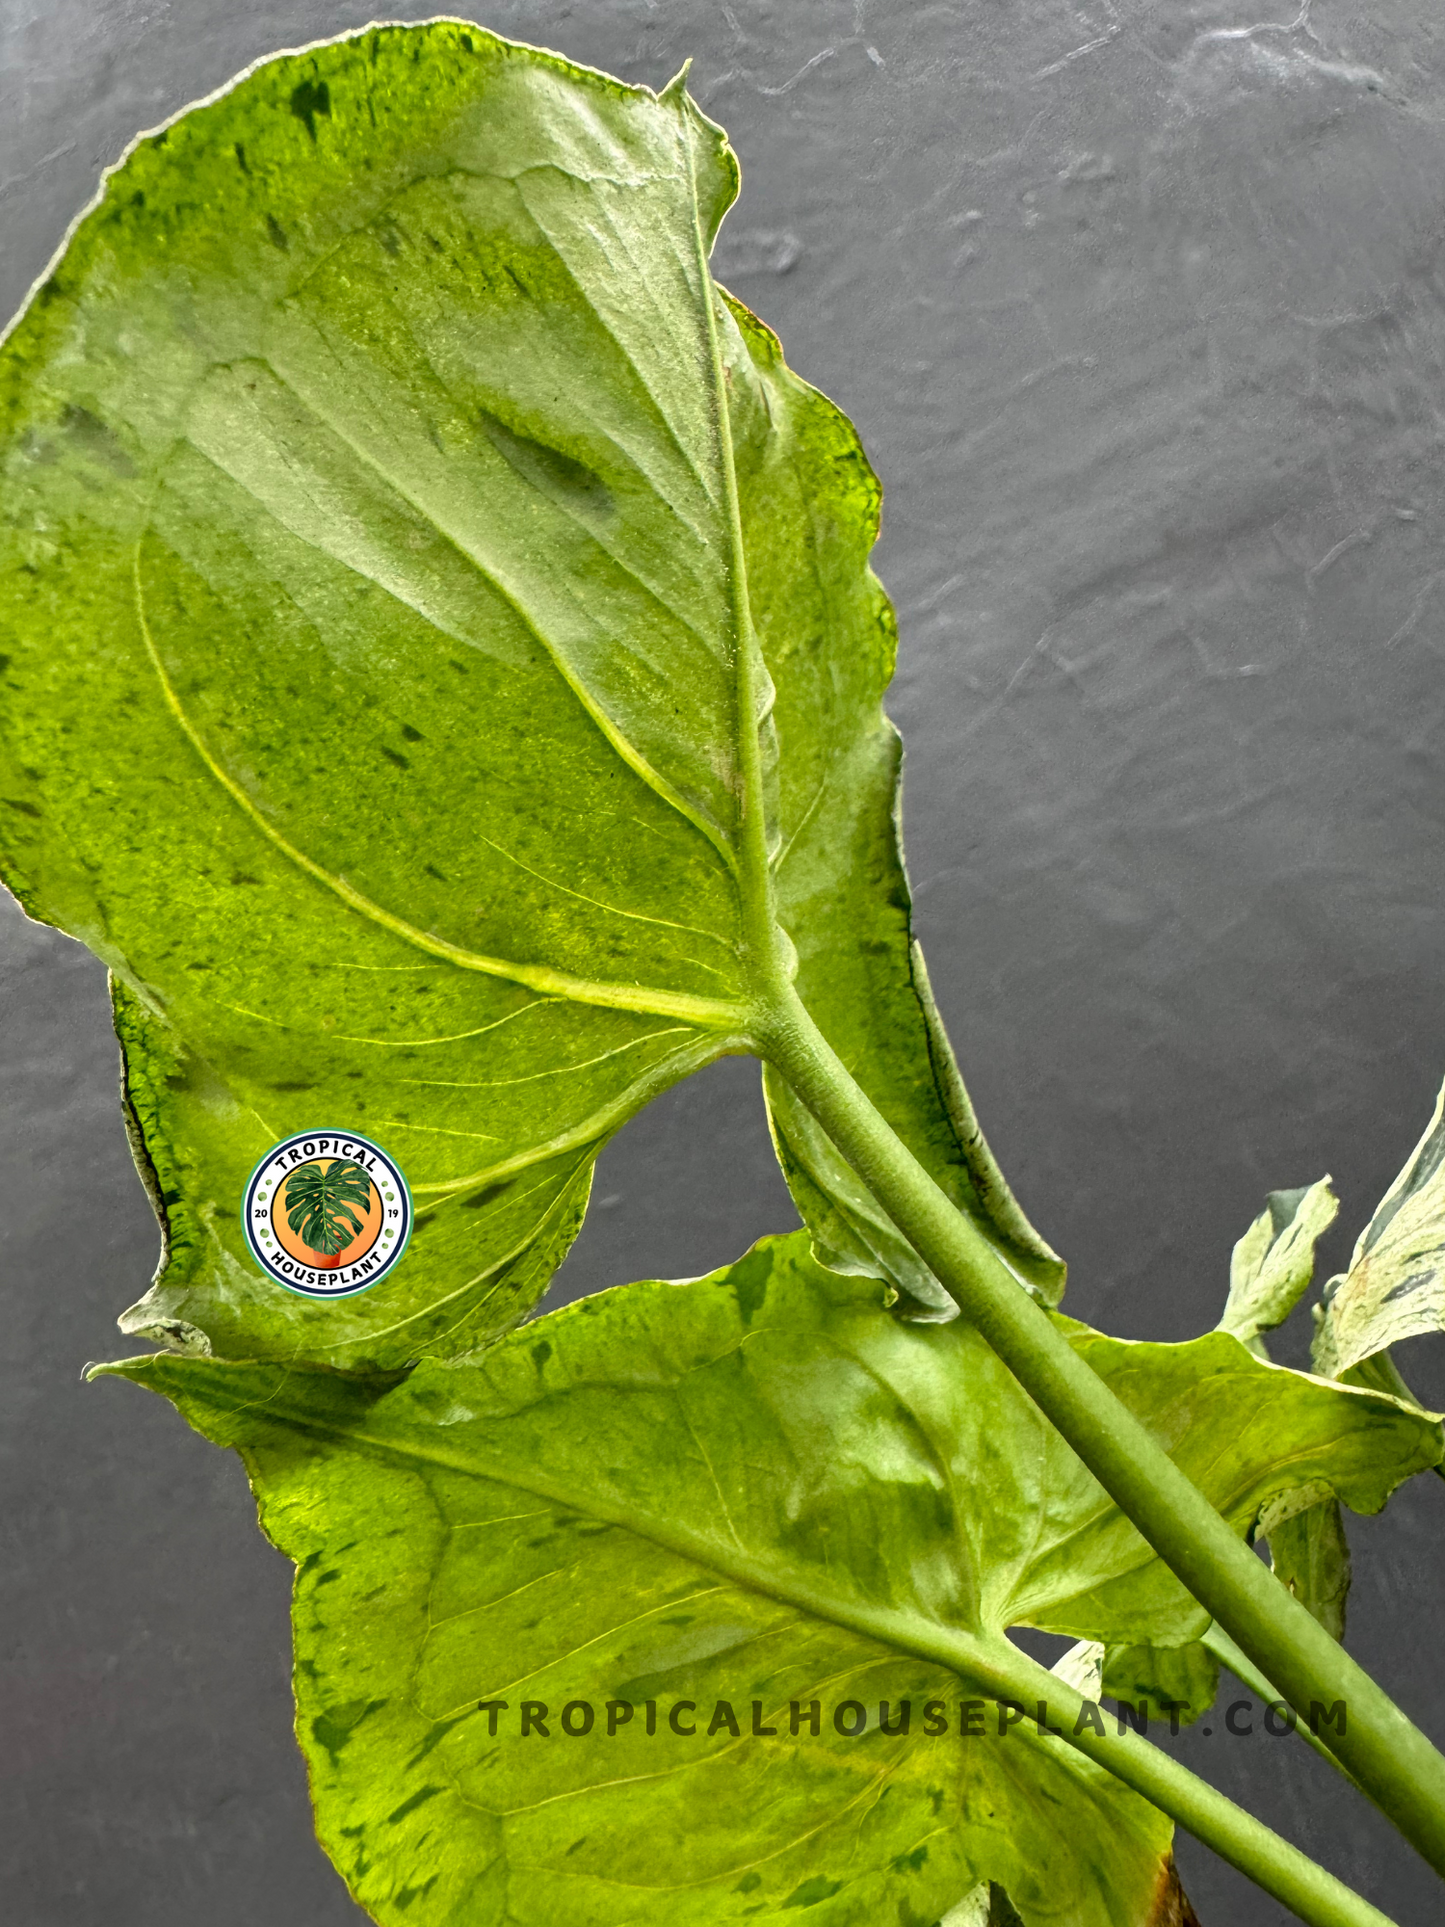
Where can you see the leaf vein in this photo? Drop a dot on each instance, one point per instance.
(540, 977)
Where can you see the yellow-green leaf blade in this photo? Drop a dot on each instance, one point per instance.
(1395, 1286)
(752, 1487)
(1273, 1263)
(368, 586)
(371, 693)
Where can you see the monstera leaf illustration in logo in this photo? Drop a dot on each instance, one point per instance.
(319, 1201)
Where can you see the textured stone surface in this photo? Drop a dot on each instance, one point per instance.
(1139, 310)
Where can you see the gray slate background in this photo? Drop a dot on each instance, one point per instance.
(1139, 310)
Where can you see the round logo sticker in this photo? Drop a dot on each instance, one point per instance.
(327, 1213)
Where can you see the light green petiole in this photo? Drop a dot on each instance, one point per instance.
(1295, 1880)
(1228, 1654)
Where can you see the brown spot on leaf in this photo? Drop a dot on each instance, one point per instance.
(1171, 1904)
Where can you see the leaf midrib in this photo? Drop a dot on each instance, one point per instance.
(986, 1657)
(762, 934)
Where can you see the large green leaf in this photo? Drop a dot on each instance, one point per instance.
(383, 479)
(1395, 1286)
(752, 1489)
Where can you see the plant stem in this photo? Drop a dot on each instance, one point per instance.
(1295, 1880)
(1228, 1654)
(1382, 1749)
